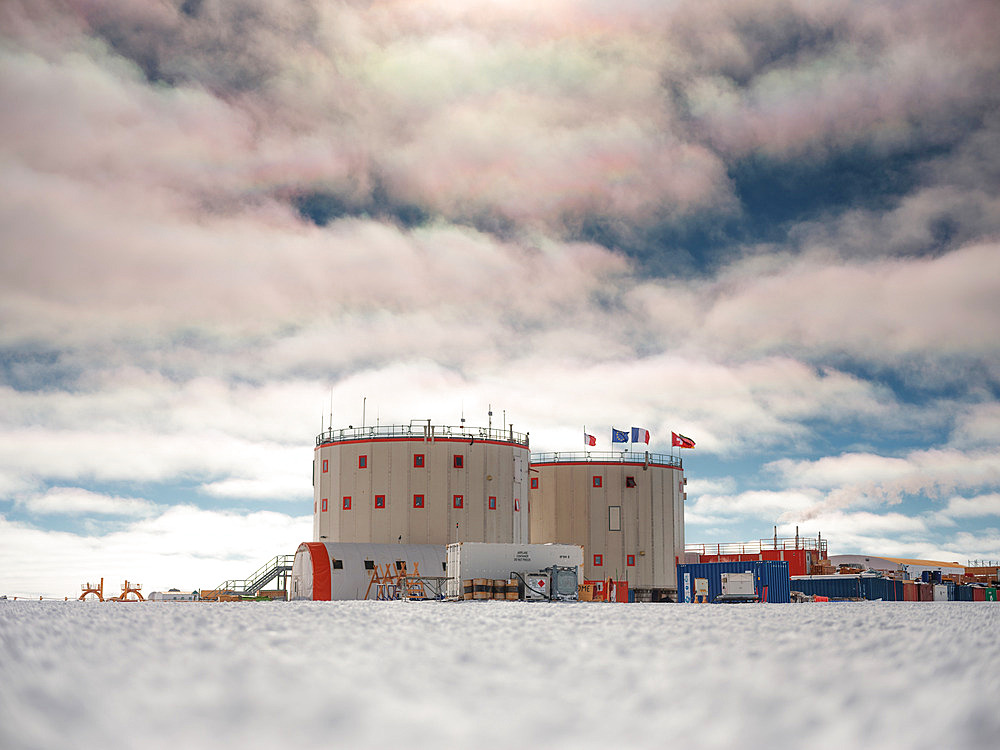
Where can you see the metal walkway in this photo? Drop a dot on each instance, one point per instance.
(276, 569)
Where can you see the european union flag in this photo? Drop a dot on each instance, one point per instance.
(618, 436)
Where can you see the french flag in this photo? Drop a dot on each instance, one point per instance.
(639, 435)
(589, 439)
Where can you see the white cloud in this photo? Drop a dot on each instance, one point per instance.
(875, 309)
(133, 456)
(761, 504)
(977, 426)
(74, 501)
(980, 506)
(696, 487)
(890, 534)
(855, 478)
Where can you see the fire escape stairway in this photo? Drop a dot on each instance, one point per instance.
(277, 568)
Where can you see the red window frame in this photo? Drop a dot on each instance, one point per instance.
(418, 460)
(517, 505)
(347, 502)
(362, 462)
(458, 501)
(418, 501)
(630, 561)
(492, 503)
(380, 501)
(598, 561)
(598, 482)
(324, 505)
(458, 461)
(534, 483)
(326, 465)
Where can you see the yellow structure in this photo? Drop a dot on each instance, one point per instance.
(129, 590)
(89, 588)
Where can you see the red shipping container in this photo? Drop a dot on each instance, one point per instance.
(910, 591)
(798, 559)
(978, 594)
(925, 592)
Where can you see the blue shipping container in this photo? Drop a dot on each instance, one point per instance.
(772, 574)
(833, 587)
(886, 589)
(963, 593)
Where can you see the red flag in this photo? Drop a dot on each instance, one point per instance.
(589, 439)
(681, 442)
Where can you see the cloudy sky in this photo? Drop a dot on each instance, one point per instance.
(771, 226)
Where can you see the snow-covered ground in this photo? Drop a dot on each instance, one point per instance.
(499, 675)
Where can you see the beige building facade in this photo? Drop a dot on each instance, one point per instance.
(625, 509)
(421, 484)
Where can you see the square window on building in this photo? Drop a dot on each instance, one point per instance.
(362, 462)
(630, 481)
(459, 460)
(323, 505)
(380, 501)
(458, 501)
(418, 460)
(534, 483)
(347, 502)
(493, 503)
(597, 481)
(369, 565)
(517, 505)
(615, 518)
(418, 501)
(326, 465)
(598, 561)
(630, 560)
(337, 564)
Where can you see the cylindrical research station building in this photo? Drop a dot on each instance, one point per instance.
(625, 509)
(421, 484)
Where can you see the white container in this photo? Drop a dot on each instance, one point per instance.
(536, 586)
(737, 584)
(940, 592)
(481, 560)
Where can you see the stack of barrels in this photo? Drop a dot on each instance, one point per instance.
(486, 588)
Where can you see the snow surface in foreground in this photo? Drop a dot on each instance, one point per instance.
(498, 675)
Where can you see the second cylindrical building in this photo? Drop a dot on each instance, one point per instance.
(625, 509)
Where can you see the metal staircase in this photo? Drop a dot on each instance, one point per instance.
(276, 569)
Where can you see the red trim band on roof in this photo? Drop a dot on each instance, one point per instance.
(322, 591)
(605, 463)
(421, 440)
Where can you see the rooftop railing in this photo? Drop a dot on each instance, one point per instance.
(422, 431)
(624, 457)
(754, 548)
